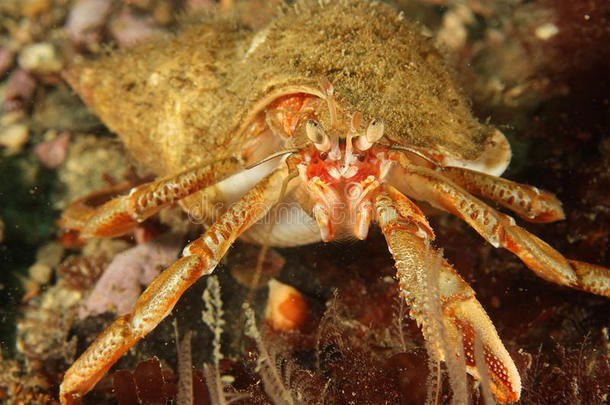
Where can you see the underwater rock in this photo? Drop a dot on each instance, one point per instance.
(86, 20)
(121, 284)
(7, 57)
(13, 137)
(130, 30)
(19, 90)
(52, 153)
(286, 307)
(41, 58)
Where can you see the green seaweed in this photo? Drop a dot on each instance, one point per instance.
(29, 219)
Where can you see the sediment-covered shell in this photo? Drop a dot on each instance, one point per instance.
(183, 100)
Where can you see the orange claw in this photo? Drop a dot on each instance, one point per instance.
(120, 215)
(528, 202)
(463, 319)
(77, 216)
(199, 258)
(500, 230)
(505, 382)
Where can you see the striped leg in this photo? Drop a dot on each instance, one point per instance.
(120, 215)
(200, 258)
(528, 202)
(460, 321)
(500, 230)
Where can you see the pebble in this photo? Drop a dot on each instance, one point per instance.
(86, 20)
(19, 90)
(13, 137)
(546, 31)
(11, 117)
(47, 258)
(286, 307)
(31, 8)
(50, 254)
(7, 57)
(53, 153)
(130, 30)
(40, 58)
(40, 273)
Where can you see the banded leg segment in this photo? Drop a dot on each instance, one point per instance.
(463, 317)
(120, 215)
(500, 230)
(199, 258)
(528, 202)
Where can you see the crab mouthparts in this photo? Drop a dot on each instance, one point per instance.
(342, 185)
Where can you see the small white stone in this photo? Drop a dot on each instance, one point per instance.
(50, 254)
(10, 118)
(546, 31)
(14, 136)
(40, 58)
(40, 273)
(227, 379)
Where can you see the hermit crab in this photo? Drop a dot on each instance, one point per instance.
(334, 116)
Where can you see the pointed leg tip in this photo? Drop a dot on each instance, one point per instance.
(506, 390)
(69, 398)
(507, 397)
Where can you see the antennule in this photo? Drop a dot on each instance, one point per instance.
(329, 91)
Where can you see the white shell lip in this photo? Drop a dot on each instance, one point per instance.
(494, 160)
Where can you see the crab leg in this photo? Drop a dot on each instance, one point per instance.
(407, 234)
(500, 230)
(200, 257)
(119, 215)
(528, 202)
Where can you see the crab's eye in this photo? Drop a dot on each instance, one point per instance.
(316, 134)
(374, 132)
(314, 131)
